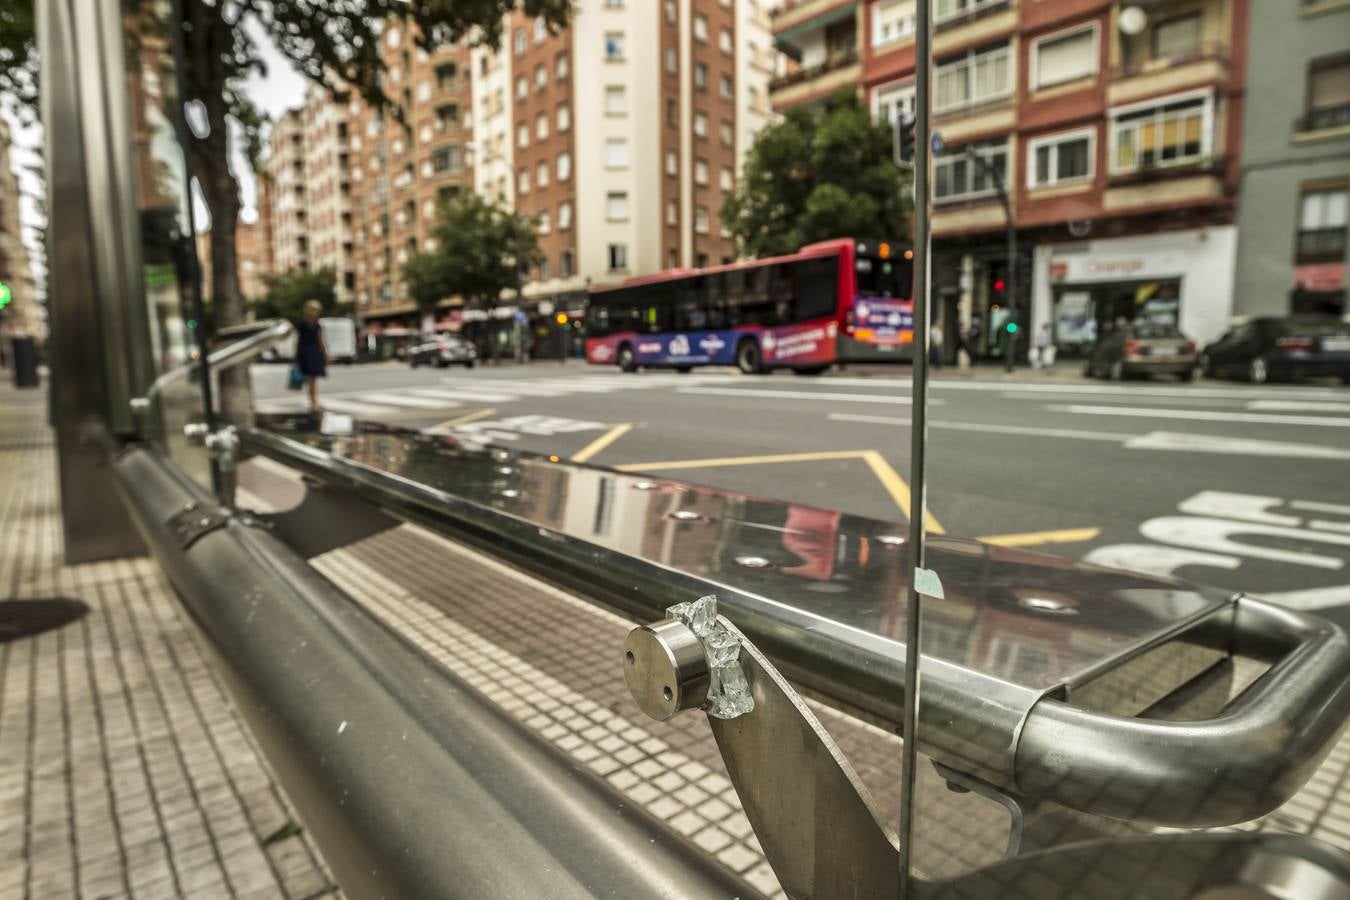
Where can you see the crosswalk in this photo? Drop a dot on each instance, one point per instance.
(452, 393)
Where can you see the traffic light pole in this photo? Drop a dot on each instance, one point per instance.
(918, 438)
(997, 178)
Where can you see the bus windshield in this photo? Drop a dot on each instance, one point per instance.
(883, 277)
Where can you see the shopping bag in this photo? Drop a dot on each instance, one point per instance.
(296, 380)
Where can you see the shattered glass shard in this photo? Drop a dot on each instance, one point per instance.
(728, 690)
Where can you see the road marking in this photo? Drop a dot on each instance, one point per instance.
(1318, 506)
(1108, 398)
(1194, 414)
(1213, 534)
(899, 491)
(392, 399)
(801, 395)
(720, 461)
(1136, 390)
(1214, 443)
(1298, 406)
(1035, 538)
(991, 428)
(356, 407)
(471, 417)
(601, 442)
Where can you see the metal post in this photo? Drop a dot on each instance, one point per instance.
(918, 432)
(1003, 198)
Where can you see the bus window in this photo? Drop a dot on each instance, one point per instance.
(597, 320)
(815, 284)
(884, 277)
(751, 303)
(717, 300)
(691, 304)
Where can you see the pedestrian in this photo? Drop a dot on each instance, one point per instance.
(935, 346)
(311, 356)
(1043, 355)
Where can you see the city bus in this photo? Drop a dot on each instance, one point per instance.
(842, 300)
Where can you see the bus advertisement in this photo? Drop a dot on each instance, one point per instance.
(836, 301)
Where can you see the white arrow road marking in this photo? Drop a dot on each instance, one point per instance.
(1200, 414)
(1248, 507)
(1213, 443)
(1211, 534)
(1310, 599)
(1154, 560)
(1319, 506)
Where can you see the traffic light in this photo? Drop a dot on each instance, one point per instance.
(904, 140)
(1011, 327)
(5, 295)
(561, 318)
(999, 285)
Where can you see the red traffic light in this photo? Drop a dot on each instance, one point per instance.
(998, 284)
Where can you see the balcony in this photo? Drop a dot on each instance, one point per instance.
(837, 71)
(952, 13)
(1326, 118)
(1321, 245)
(791, 15)
(1151, 76)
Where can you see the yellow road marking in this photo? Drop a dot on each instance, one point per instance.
(899, 491)
(460, 420)
(718, 462)
(889, 478)
(601, 442)
(1032, 538)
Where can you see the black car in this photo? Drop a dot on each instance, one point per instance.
(443, 350)
(1284, 348)
(1143, 348)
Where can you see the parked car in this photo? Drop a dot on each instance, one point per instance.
(1142, 349)
(1283, 348)
(443, 350)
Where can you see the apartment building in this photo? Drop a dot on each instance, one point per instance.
(22, 315)
(253, 245)
(1292, 248)
(290, 199)
(1114, 128)
(622, 135)
(329, 216)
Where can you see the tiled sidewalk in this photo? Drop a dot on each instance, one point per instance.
(124, 771)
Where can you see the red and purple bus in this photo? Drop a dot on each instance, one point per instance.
(843, 300)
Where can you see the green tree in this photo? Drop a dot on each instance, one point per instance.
(482, 250)
(18, 56)
(819, 173)
(287, 293)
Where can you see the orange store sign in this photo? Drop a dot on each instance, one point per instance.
(1320, 277)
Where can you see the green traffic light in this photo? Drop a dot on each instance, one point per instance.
(191, 323)
(5, 295)
(1012, 328)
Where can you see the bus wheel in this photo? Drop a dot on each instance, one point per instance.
(627, 362)
(747, 357)
(684, 370)
(812, 370)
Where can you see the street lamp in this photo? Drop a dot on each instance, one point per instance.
(997, 177)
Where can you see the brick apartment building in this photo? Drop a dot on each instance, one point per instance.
(290, 201)
(1115, 126)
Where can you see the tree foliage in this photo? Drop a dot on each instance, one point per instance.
(481, 250)
(819, 173)
(18, 56)
(288, 292)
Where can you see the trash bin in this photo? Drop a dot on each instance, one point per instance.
(23, 361)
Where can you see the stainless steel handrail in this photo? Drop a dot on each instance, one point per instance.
(1276, 732)
(262, 335)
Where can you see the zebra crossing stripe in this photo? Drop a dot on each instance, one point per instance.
(407, 400)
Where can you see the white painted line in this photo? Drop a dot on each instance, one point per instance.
(801, 395)
(1324, 525)
(1213, 443)
(1194, 414)
(1299, 406)
(356, 407)
(1109, 398)
(1160, 390)
(991, 429)
(408, 399)
(1318, 506)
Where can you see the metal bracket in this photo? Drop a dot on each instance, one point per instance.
(223, 445)
(963, 783)
(193, 521)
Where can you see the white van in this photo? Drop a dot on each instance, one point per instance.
(339, 337)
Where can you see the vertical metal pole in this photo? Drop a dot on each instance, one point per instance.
(918, 432)
(1012, 263)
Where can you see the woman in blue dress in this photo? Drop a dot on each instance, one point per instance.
(311, 356)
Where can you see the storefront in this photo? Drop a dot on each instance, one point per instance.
(1182, 278)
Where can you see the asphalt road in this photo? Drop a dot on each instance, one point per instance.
(1233, 485)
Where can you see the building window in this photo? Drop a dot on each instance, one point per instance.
(614, 45)
(955, 177)
(1321, 225)
(540, 77)
(701, 124)
(1066, 56)
(564, 215)
(618, 257)
(1167, 134)
(616, 100)
(672, 258)
(727, 133)
(887, 101)
(1328, 93)
(561, 65)
(701, 261)
(944, 10)
(564, 166)
(701, 76)
(616, 153)
(616, 206)
(893, 21)
(543, 265)
(541, 126)
(522, 88)
(701, 220)
(672, 213)
(701, 28)
(672, 163)
(446, 159)
(614, 4)
(392, 37)
(523, 181)
(544, 226)
(564, 117)
(565, 264)
(540, 30)
(522, 135)
(726, 179)
(447, 117)
(700, 171)
(541, 173)
(973, 77)
(1060, 158)
(670, 11)
(423, 91)
(520, 41)
(724, 41)
(1178, 37)
(724, 86)
(672, 113)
